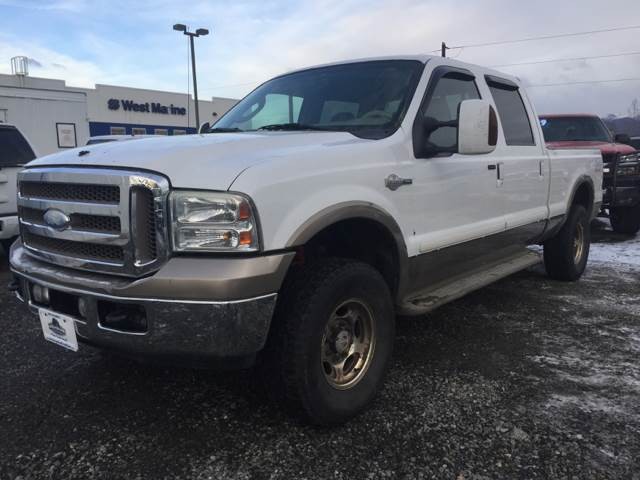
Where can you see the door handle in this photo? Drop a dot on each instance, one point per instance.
(492, 167)
(394, 182)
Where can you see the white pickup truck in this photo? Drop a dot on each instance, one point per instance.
(292, 232)
(15, 152)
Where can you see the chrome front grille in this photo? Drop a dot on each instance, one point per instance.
(85, 250)
(72, 191)
(79, 221)
(114, 220)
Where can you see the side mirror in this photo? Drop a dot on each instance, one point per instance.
(477, 128)
(204, 128)
(622, 138)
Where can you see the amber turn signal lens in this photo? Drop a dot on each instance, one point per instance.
(245, 238)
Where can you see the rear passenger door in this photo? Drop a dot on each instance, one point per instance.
(522, 165)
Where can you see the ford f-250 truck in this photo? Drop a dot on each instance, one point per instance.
(621, 196)
(289, 236)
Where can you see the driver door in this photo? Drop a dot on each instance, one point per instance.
(453, 209)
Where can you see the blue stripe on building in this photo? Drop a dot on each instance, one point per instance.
(104, 128)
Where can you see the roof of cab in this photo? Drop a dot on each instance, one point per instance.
(420, 57)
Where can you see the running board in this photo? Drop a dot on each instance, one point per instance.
(438, 295)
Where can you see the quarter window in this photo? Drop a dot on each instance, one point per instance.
(444, 106)
(512, 113)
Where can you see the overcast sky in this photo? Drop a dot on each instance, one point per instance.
(131, 42)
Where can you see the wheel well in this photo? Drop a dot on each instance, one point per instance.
(584, 196)
(360, 239)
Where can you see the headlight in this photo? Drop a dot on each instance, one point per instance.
(212, 222)
(628, 165)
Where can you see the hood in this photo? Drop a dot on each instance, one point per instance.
(211, 161)
(606, 148)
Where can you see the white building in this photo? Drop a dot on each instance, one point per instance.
(54, 116)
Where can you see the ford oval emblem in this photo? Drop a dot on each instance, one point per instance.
(56, 219)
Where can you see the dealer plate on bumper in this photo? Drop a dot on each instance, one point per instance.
(59, 329)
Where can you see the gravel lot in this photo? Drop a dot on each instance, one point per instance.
(528, 378)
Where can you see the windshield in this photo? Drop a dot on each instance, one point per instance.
(568, 129)
(368, 99)
(14, 149)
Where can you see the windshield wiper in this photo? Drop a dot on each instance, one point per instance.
(292, 126)
(224, 130)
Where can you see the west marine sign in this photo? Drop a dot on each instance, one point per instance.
(148, 107)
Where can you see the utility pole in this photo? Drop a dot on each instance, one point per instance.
(444, 50)
(199, 32)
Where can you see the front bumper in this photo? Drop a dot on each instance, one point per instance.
(204, 307)
(621, 196)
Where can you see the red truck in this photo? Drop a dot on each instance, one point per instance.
(621, 170)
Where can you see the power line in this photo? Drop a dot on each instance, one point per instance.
(565, 59)
(544, 37)
(583, 82)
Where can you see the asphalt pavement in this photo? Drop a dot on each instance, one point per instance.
(527, 378)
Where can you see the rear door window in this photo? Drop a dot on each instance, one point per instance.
(14, 149)
(512, 113)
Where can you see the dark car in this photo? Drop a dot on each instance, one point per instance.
(621, 169)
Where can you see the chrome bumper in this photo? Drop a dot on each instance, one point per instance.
(180, 327)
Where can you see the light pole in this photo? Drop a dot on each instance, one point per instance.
(201, 32)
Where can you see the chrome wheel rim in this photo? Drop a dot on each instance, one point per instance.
(348, 344)
(578, 243)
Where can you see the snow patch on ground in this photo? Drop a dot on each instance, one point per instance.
(623, 253)
(614, 249)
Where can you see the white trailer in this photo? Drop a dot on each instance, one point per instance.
(52, 118)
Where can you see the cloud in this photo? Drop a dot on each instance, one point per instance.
(63, 5)
(34, 63)
(76, 72)
(252, 40)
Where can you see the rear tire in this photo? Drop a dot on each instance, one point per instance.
(566, 254)
(625, 219)
(331, 341)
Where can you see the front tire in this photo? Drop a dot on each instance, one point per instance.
(331, 341)
(566, 254)
(625, 219)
